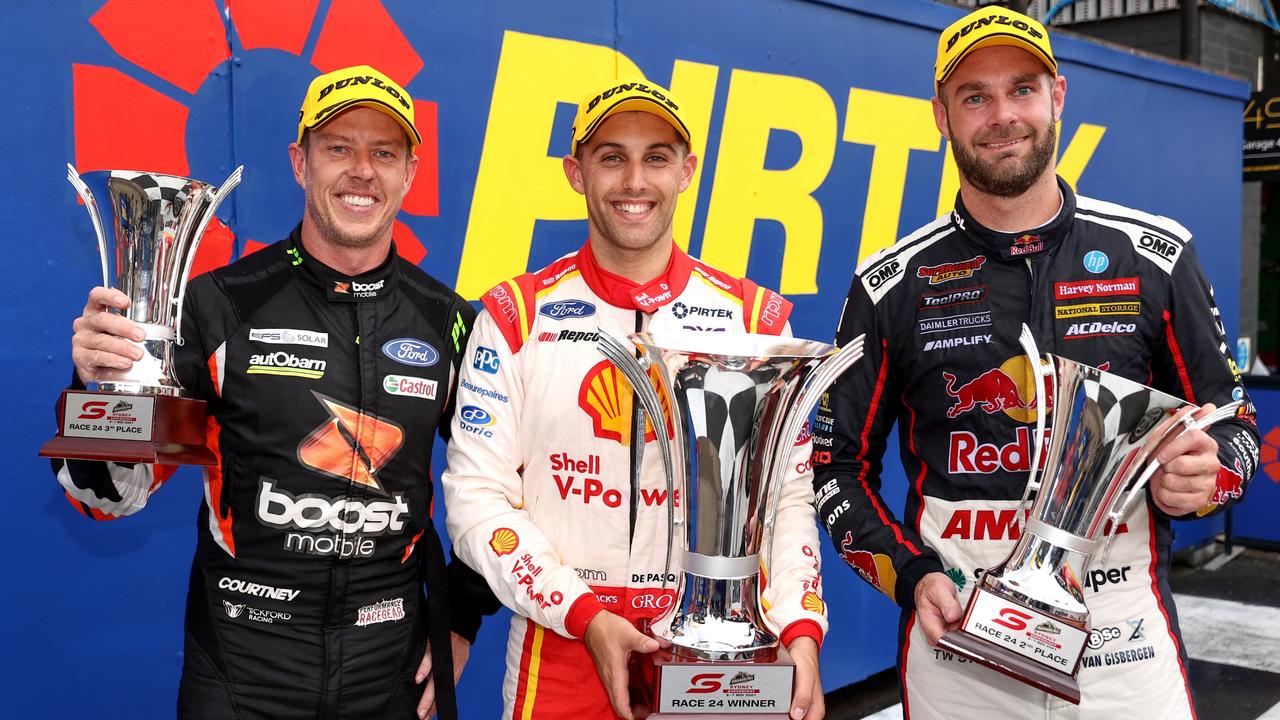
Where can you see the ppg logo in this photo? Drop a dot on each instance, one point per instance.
(485, 360)
(475, 415)
(1095, 261)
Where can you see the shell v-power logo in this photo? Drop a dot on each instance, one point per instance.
(197, 87)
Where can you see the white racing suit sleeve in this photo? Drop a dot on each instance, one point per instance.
(484, 493)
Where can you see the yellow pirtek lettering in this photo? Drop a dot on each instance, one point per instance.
(894, 125)
(744, 190)
(520, 180)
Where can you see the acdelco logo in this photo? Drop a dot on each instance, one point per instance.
(280, 509)
(1098, 329)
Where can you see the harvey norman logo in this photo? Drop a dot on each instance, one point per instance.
(289, 336)
(1096, 288)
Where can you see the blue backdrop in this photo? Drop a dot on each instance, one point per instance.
(817, 147)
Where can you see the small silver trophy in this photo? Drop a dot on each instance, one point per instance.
(1027, 616)
(139, 414)
(735, 405)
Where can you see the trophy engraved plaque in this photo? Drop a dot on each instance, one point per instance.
(1027, 617)
(734, 405)
(139, 414)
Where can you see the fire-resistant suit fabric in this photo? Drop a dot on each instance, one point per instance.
(942, 310)
(539, 485)
(324, 396)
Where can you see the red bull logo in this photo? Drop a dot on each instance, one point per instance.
(875, 569)
(1003, 389)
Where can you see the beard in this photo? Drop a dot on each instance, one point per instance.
(333, 232)
(996, 177)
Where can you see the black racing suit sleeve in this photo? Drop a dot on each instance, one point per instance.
(470, 599)
(1193, 360)
(96, 476)
(854, 422)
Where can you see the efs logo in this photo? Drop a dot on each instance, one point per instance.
(94, 410)
(1012, 619)
(704, 683)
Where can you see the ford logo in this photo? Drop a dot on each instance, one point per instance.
(567, 309)
(475, 415)
(410, 351)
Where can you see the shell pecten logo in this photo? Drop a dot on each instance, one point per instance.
(606, 397)
(504, 541)
(813, 603)
(162, 104)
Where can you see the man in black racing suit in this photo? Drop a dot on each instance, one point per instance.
(325, 389)
(942, 309)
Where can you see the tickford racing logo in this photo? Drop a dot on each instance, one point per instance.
(946, 272)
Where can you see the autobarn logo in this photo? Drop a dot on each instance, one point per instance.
(287, 365)
(946, 272)
(959, 296)
(1097, 288)
(1082, 330)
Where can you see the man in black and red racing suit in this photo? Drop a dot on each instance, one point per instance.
(325, 391)
(942, 310)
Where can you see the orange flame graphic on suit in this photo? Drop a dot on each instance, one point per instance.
(350, 445)
(606, 396)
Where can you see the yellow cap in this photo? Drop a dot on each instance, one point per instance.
(628, 96)
(991, 25)
(333, 92)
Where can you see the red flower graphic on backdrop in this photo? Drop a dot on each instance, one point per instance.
(180, 42)
(1269, 454)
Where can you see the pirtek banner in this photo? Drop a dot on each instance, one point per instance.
(817, 144)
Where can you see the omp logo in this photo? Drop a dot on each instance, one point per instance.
(1158, 246)
(286, 364)
(166, 87)
(350, 445)
(606, 397)
(877, 276)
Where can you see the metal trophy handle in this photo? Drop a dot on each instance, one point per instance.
(1087, 474)
(205, 218)
(91, 204)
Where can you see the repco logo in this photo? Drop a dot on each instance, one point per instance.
(1159, 246)
(884, 272)
(280, 509)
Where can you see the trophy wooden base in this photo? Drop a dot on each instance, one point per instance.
(688, 689)
(117, 427)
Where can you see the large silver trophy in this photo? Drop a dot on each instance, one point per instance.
(1027, 616)
(736, 403)
(139, 414)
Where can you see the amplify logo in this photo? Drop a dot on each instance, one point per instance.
(946, 272)
(350, 445)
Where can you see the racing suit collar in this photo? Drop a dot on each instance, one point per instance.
(339, 287)
(630, 295)
(1029, 244)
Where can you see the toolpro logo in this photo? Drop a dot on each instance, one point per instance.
(351, 445)
(177, 90)
(946, 272)
(1007, 388)
(606, 397)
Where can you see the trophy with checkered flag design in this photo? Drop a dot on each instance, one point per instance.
(1027, 617)
(139, 414)
(727, 410)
